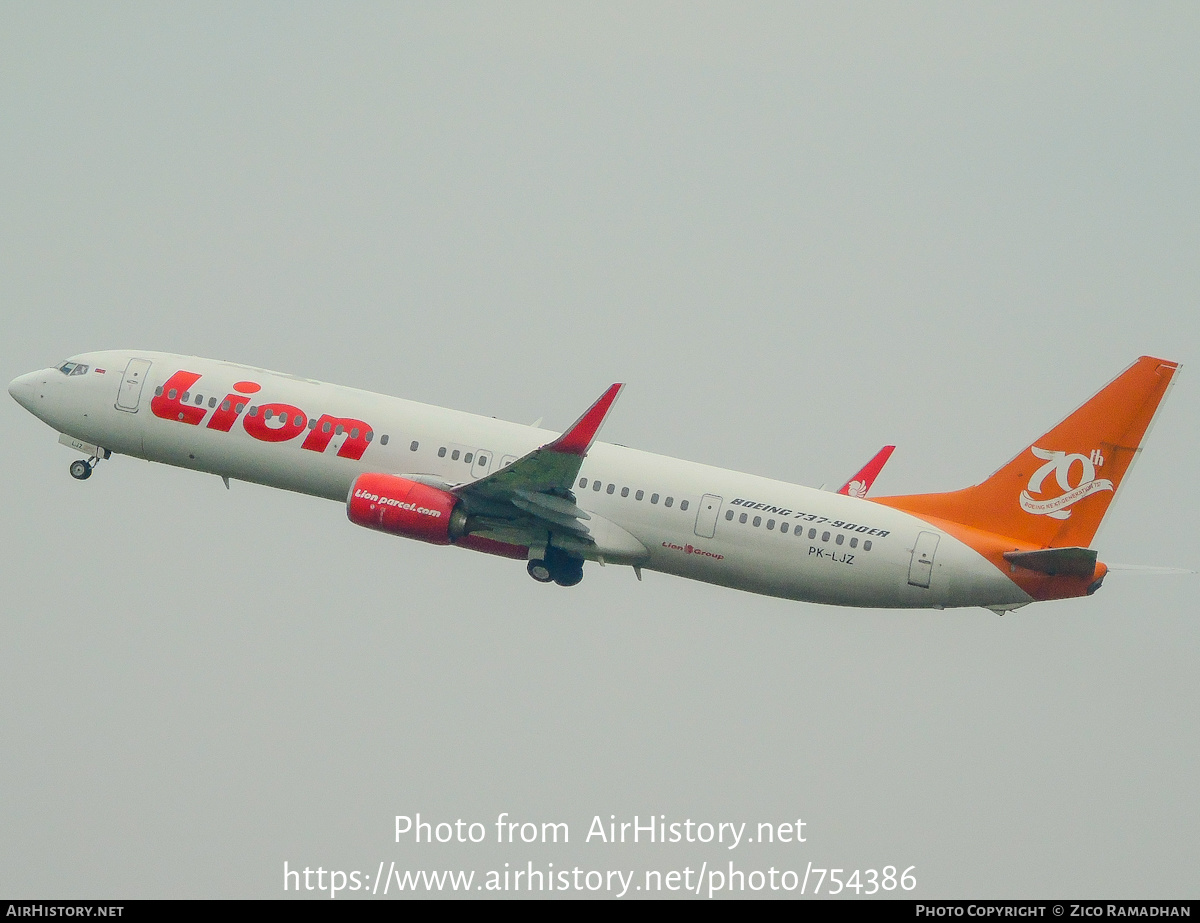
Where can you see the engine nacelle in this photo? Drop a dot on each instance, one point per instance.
(403, 507)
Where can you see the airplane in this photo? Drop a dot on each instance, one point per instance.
(558, 500)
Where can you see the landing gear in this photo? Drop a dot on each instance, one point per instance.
(539, 571)
(81, 469)
(557, 566)
(570, 572)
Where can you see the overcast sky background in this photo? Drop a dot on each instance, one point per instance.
(798, 232)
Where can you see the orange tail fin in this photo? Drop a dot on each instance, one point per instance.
(1055, 493)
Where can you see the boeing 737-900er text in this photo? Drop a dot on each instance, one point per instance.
(452, 478)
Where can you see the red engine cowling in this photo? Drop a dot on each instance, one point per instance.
(403, 507)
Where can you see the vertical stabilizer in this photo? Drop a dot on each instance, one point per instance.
(1055, 493)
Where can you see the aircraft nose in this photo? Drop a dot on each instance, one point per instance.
(24, 389)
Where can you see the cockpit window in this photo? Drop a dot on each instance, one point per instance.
(73, 368)
(66, 367)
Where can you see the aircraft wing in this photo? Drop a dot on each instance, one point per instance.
(533, 496)
(858, 485)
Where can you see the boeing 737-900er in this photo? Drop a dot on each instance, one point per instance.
(556, 501)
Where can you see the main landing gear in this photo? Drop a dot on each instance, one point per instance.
(81, 468)
(557, 566)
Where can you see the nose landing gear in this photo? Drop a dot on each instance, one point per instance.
(81, 468)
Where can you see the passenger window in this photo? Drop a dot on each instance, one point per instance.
(268, 413)
(867, 545)
(254, 413)
(199, 398)
(729, 515)
(283, 418)
(483, 460)
(853, 543)
(467, 458)
(683, 504)
(783, 526)
(771, 524)
(582, 483)
(187, 396)
(654, 498)
(824, 536)
(596, 485)
(442, 452)
(454, 455)
(325, 429)
(353, 433)
(383, 440)
(212, 402)
(812, 533)
(224, 405)
(624, 491)
(172, 394)
(668, 501)
(611, 488)
(158, 391)
(639, 495)
(369, 435)
(840, 538)
(312, 424)
(757, 521)
(339, 429)
(742, 518)
(412, 446)
(240, 407)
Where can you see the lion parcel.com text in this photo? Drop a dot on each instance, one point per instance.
(719, 875)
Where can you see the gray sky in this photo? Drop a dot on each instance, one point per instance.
(797, 235)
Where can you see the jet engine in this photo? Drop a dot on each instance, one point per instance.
(403, 507)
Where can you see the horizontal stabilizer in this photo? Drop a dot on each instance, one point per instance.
(1069, 562)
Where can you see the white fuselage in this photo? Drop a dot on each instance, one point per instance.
(794, 542)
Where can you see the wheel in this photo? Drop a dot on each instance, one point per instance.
(566, 570)
(81, 470)
(569, 577)
(539, 571)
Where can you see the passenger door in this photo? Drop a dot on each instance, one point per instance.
(920, 569)
(131, 385)
(706, 516)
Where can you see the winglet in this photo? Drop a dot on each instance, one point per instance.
(858, 485)
(579, 438)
